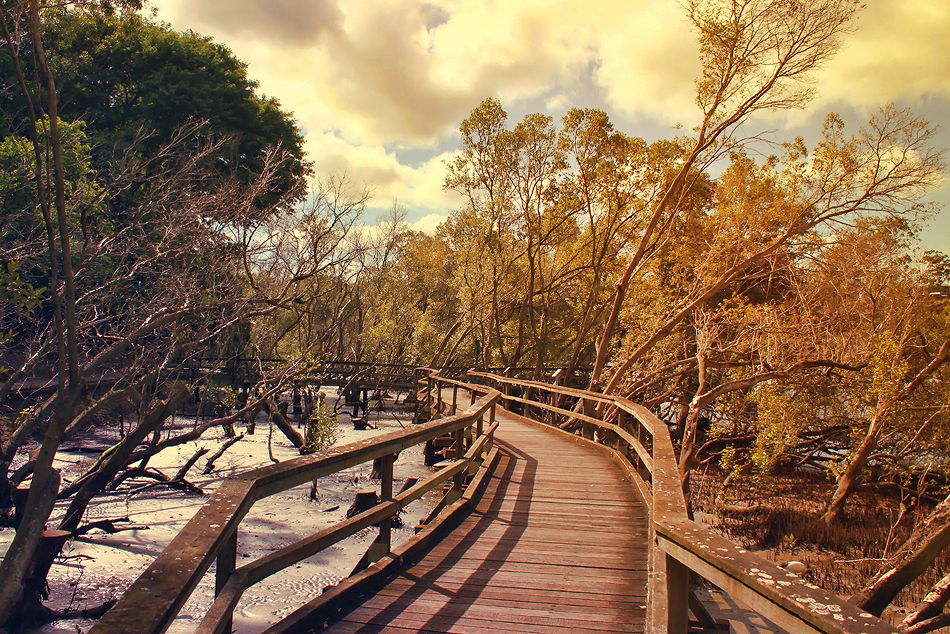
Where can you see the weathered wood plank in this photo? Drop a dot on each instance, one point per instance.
(437, 623)
(557, 544)
(466, 593)
(513, 610)
(449, 616)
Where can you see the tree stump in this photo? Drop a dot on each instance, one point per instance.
(365, 500)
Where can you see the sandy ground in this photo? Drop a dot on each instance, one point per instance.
(100, 566)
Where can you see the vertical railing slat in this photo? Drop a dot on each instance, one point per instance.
(225, 565)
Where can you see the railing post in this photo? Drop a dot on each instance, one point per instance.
(677, 596)
(386, 495)
(459, 480)
(455, 399)
(382, 545)
(438, 389)
(224, 567)
(429, 395)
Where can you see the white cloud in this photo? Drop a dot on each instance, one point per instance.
(648, 61)
(899, 52)
(417, 188)
(428, 223)
(364, 76)
(408, 71)
(292, 22)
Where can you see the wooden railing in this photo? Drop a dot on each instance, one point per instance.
(155, 598)
(641, 442)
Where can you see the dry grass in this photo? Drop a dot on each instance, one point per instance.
(780, 519)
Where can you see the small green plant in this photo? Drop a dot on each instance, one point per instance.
(19, 295)
(321, 430)
(790, 542)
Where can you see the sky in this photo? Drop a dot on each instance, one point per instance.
(379, 87)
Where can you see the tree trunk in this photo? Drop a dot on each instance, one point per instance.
(20, 555)
(923, 547)
(929, 608)
(283, 424)
(849, 479)
(35, 585)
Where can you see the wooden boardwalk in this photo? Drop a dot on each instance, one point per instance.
(557, 544)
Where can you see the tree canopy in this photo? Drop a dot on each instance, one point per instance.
(136, 83)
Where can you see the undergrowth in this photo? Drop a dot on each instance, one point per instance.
(781, 519)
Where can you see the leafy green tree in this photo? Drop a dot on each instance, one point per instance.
(140, 253)
(757, 55)
(150, 81)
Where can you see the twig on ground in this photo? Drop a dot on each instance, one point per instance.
(209, 466)
(188, 465)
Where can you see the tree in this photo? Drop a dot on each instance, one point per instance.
(151, 81)
(548, 230)
(612, 171)
(160, 278)
(757, 55)
(880, 172)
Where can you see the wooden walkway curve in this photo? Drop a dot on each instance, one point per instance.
(551, 534)
(557, 544)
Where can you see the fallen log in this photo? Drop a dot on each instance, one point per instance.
(283, 424)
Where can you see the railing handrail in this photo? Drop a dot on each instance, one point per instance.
(685, 545)
(155, 598)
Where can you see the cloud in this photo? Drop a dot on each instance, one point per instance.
(407, 71)
(381, 71)
(429, 223)
(365, 76)
(898, 52)
(296, 22)
(651, 73)
(433, 16)
(418, 188)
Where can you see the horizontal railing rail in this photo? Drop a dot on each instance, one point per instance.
(153, 601)
(680, 545)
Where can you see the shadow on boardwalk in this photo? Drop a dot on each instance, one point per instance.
(558, 544)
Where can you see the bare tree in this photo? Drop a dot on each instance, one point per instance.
(757, 55)
(152, 264)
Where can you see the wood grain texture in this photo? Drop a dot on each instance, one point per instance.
(557, 544)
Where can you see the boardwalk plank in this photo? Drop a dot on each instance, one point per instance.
(514, 611)
(463, 625)
(562, 598)
(557, 544)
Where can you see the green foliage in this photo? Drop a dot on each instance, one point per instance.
(151, 80)
(781, 413)
(16, 295)
(728, 460)
(18, 174)
(321, 430)
(887, 368)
